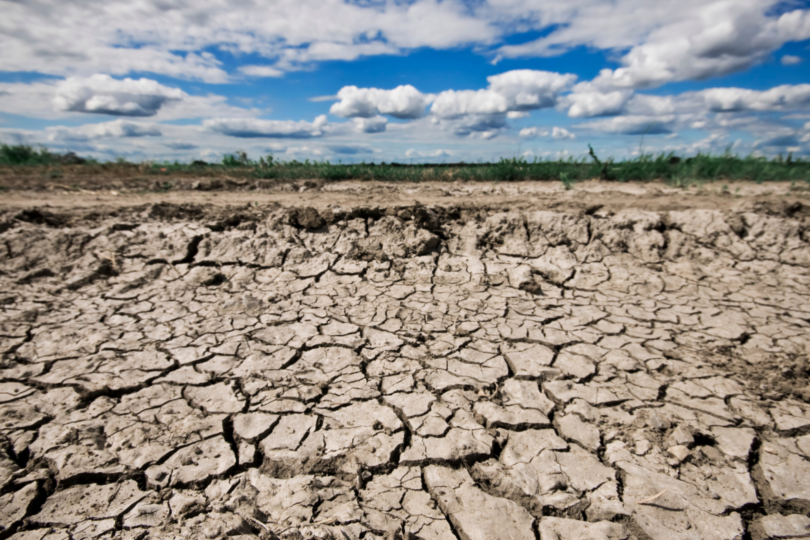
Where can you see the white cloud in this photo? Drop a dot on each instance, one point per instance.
(532, 132)
(404, 102)
(633, 125)
(203, 107)
(517, 90)
(27, 99)
(370, 125)
(587, 100)
(791, 60)
(666, 40)
(721, 38)
(562, 133)
(114, 129)
(489, 124)
(458, 103)
(642, 104)
(436, 153)
(171, 37)
(255, 128)
(515, 115)
(261, 71)
(779, 138)
(528, 89)
(784, 97)
(101, 94)
(181, 146)
(306, 150)
(689, 108)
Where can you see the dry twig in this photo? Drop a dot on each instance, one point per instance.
(651, 499)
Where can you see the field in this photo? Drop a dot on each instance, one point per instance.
(208, 352)
(26, 168)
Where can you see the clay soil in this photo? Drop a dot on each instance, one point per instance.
(416, 361)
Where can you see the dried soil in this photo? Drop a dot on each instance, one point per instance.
(431, 361)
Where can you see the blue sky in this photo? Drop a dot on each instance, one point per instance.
(409, 80)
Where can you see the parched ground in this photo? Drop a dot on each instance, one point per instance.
(438, 361)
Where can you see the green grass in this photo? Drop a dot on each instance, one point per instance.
(672, 169)
(24, 155)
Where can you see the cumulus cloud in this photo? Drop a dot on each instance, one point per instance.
(437, 153)
(784, 97)
(722, 38)
(696, 109)
(791, 60)
(528, 89)
(181, 146)
(515, 115)
(531, 132)
(376, 124)
(633, 125)
(518, 90)
(665, 41)
(106, 130)
(780, 138)
(562, 133)
(101, 94)
(457, 103)
(405, 102)
(273, 129)
(488, 125)
(587, 100)
(261, 71)
(303, 150)
(172, 38)
(27, 99)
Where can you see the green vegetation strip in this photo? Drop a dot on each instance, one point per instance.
(668, 167)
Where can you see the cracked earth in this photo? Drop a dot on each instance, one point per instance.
(433, 372)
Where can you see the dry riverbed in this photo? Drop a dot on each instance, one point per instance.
(432, 361)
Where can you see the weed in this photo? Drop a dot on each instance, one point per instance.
(23, 155)
(238, 159)
(566, 181)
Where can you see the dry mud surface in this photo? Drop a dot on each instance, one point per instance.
(439, 371)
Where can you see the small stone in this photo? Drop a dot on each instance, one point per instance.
(642, 447)
(182, 503)
(680, 452)
(680, 436)
(777, 526)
